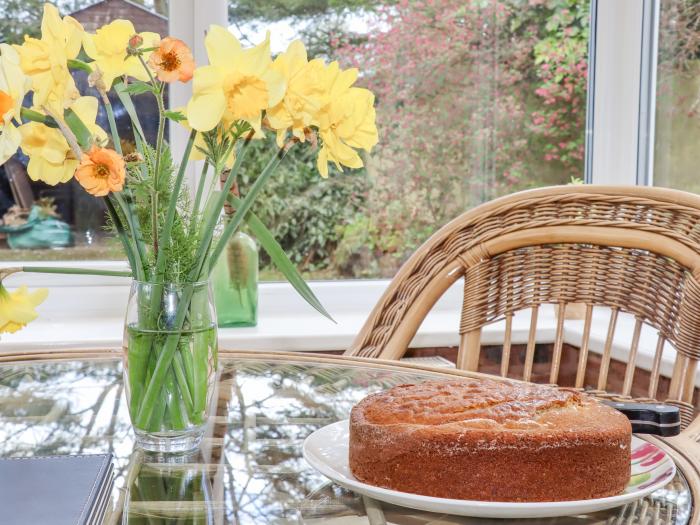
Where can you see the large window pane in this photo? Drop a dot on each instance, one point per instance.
(63, 222)
(678, 96)
(475, 99)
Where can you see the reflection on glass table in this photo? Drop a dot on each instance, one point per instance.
(249, 469)
(170, 490)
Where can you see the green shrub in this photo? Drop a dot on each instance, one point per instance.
(307, 214)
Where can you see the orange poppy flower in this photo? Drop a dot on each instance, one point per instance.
(101, 170)
(172, 61)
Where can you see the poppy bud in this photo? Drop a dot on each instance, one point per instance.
(135, 42)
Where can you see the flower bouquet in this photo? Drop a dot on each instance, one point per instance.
(171, 238)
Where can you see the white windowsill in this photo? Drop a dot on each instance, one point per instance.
(285, 323)
(84, 312)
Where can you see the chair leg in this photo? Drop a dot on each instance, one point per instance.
(469, 349)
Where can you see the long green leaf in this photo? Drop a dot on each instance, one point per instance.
(129, 248)
(212, 212)
(74, 64)
(75, 271)
(79, 129)
(34, 116)
(113, 126)
(138, 88)
(279, 258)
(177, 116)
(237, 218)
(128, 104)
(139, 136)
(140, 257)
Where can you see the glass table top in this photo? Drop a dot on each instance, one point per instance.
(249, 469)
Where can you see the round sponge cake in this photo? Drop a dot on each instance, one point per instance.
(490, 440)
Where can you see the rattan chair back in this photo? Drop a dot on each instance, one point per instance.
(634, 250)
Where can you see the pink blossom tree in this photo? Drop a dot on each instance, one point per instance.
(468, 110)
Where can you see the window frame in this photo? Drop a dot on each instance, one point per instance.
(621, 108)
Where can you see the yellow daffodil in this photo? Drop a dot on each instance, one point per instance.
(199, 144)
(17, 308)
(45, 60)
(199, 147)
(304, 96)
(13, 86)
(50, 156)
(346, 122)
(108, 48)
(239, 84)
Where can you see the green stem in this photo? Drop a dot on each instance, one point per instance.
(156, 172)
(158, 415)
(136, 260)
(246, 204)
(174, 406)
(138, 357)
(161, 132)
(67, 132)
(200, 355)
(167, 353)
(148, 71)
(35, 116)
(129, 249)
(172, 208)
(154, 217)
(210, 222)
(180, 375)
(189, 369)
(165, 357)
(200, 189)
(140, 255)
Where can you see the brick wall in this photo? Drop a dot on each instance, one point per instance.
(106, 11)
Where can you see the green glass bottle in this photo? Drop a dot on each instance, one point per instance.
(235, 282)
(235, 277)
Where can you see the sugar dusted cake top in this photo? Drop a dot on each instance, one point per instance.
(485, 404)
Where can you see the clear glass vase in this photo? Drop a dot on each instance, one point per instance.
(170, 360)
(235, 279)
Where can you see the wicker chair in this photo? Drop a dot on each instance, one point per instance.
(632, 249)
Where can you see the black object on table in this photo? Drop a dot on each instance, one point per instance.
(56, 490)
(650, 418)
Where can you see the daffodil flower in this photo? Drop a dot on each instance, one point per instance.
(45, 60)
(17, 308)
(239, 84)
(346, 122)
(108, 49)
(305, 93)
(51, 158)
(200, 145)
(14, 84)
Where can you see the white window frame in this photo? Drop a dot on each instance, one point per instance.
(189, 20)
(622, 92)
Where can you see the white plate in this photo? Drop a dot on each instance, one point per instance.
(327, 451)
